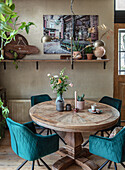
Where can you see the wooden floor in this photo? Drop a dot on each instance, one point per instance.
(10, 161)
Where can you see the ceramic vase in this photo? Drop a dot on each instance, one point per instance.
(59, 103)
(80, 105)
(77, 55)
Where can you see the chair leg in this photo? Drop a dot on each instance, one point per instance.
(47, 132)
(85, 143)
(45, 164)
(96, 132)
(38, 163)
(50, 131)
(107, 133)
(22, 164)
(33, 165)
(102, 134)
(115, 165)
(109, 164)
(102, 166)
(122, 164)
(42, 131)
(60, 138)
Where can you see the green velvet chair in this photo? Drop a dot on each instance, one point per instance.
(42, 98)
(112, 149)
(29, 145)
(116, 103)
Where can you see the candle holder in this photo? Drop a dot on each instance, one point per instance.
(76, 110)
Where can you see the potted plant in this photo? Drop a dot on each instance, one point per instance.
(5, 113)
(89, 52)
(77, 50)
(81, 102)
(8, 21)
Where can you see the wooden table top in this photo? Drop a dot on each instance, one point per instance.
(45, 114)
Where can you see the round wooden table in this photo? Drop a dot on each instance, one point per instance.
(73, 124)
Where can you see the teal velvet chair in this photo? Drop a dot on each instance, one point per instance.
(39, 99)
(42, 98)
(116, 103)
(112, 149)
(29, 145)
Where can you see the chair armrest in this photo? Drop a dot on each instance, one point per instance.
(108, 148)
(47, 144)
(30, 125)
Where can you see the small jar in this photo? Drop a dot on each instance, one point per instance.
(68, 107)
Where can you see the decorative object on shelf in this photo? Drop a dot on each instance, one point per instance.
(9, 24)
(99, 43)
(46, 38)
(18, 48)
(59, 84)
(5, 113)
(104, 31)
(81, 102)
(99, 52)
(76, 50)
(77, 55)
(65, 57)
(89, 51)
(91, 30)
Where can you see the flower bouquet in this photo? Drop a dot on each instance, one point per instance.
(59, 84)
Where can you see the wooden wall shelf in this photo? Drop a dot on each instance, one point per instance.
(57, 61)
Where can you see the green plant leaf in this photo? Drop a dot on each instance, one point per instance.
(2, 18)
(4, 9)
(27, 29)
(7, 2)
(10, 21)
(12, 7)
(30, 23)
(23, 24)
(10, 2)
(16, 20)
(6, 27)
(14, 16)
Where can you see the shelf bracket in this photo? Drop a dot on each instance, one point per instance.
(104, 65)
(37, 65)
(4, 64)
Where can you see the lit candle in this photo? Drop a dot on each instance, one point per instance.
(75, 99)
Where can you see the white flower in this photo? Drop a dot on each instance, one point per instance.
(71, 84)
(56, 76)
(48, 75)
(51, 85)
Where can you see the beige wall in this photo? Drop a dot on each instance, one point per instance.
(88, 78)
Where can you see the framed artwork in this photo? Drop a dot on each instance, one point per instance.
(62, 27)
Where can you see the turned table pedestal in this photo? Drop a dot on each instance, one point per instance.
(74, 124)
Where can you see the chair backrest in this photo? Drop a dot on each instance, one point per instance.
(23, 141)
(39, 98)
(116, 103)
